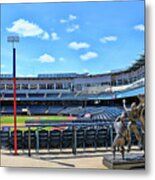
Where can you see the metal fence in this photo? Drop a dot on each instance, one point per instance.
(76, 134)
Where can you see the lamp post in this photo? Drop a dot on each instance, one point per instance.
(13, 40)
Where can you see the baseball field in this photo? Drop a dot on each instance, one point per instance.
(9, 120)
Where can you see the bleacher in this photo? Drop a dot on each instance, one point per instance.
(21, 95)
(74, 111)
(8, 95)
(67, 95)
(35, 95)
(86, 137)
(8, 110)
(52, 95)
(102, 113)
(37, 110)
(108, 113)
(54, 110)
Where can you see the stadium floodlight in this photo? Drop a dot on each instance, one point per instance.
(13, 40)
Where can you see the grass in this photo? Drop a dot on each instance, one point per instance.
(4, 120)
(9, 120)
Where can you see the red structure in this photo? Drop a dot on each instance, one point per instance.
(14, 101)
(14, 39)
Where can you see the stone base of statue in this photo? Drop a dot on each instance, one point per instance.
(131, 161)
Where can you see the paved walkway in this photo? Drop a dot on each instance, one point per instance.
(54, 159)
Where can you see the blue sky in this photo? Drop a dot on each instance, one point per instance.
(81, 37)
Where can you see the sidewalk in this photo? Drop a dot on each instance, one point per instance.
(89, 159)
(53, 160)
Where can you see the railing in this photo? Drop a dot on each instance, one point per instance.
(72, 125)
(64, 123)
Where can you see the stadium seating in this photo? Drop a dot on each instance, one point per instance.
(80, 138)
(36, 95)
(55, 139)
(90, 138)
(19, 139)
(108, 114)
(8, 109)
(33, 139)
(54, 110)
(8, 95)
(43, 139)
(52, 95)
(4, 139)
(36, 110)
(96, 137)
(102, 137)
(21, 95)
(67, 138)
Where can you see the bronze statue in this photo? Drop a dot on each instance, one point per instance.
(141, 109)
(121, 135)
(133, 117)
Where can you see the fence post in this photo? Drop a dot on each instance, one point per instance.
(74, 141)
(111, 134)
(29, 142)
(37, 141)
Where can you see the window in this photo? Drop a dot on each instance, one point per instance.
(119, 82)
(2, 86)
(125, 81)
(24, 86)
(33, 86)
(59, 86)
(18, 86)
(42, 86)
(88, 85)
(9, 86)
(67, 85)
(78, 87)
(50, 86)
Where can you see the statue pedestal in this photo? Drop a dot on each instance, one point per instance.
(131, 161)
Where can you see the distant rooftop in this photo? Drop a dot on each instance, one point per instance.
(61, 75)
(6, 76)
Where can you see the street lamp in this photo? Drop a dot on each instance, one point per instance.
(13, 40)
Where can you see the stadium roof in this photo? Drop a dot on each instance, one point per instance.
(61, 75)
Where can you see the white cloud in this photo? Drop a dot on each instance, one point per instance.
(25, 28)
(108, 39)
(55, 36)
(77, 46)
(69, 20)
(89, 55)
(63, 21)
(139, 27)
(46, 58)
(61, 59)
(72, 17)
(73, 28)
(45, 36)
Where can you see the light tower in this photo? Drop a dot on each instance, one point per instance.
(13, 40)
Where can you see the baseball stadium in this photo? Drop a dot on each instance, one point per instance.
(73, 112)
(72, 85)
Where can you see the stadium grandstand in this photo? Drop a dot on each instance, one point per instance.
(73, 94)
